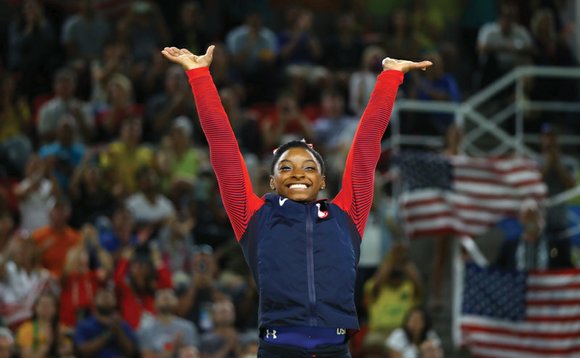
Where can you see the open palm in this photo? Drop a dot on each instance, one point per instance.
(404, 65)
(188, 60)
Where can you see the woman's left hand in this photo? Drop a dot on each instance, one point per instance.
(404, 65)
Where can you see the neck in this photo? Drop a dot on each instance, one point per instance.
(165, 318)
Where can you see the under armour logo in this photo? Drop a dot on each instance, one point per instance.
(321, 214)
(271, 334)
(282, 201)
(340, 331)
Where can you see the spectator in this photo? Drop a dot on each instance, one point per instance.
(114, 60)
(334, 131)
(254, 52)
(105, 334)
(57, 238)
(244, 123)
(15, 128)
(535, 249)
(198, 297)
(551, 49)
(144, 30)
(363, 81)
(179, 162)
(168, 335)
(64, 102)
(89, 195)
(558, 173)
(395, 288)
(32, 49)
(84, 35)
(226, 74)
(176, 247)
(148, 206)
(249, 345)
(7, 230)
(118, 107)
(137, 276)
(401, 39)
(7, 346)
(223, 339)
(175, 100)
(287, 122)
(344, 46)
(42, 336)
(22, 279)
(81, 278)
(190, 32)
(502, 45)
(212, 225)
(120, 235)
(299, 44)
(64, 154)
(437, 85)
(36, 194)
(121, 159)
(416, 338)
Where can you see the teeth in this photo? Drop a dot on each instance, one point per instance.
(298, 186)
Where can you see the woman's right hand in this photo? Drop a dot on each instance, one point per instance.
(188, 60)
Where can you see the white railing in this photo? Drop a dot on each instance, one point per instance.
(468, 111)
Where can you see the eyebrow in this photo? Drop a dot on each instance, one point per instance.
(307, 160)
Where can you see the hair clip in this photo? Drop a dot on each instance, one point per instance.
(308, 144)
(275, 150)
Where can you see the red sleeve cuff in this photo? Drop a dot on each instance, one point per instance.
(398, 76)
(197, 72)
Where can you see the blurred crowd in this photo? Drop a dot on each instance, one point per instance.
(113, 237)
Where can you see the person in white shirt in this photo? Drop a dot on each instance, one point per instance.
(503, 44)
(416, 338)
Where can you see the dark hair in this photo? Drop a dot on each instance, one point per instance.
(427, 324)
(54, 323)
(297, 144)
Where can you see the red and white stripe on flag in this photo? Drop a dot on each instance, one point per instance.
(482, 192)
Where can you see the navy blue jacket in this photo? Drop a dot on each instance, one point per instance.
(280, 244)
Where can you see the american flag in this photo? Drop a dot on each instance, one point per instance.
(512, 314)
(460, 195)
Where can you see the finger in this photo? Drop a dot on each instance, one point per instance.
(186, 51)
(423, 64)
(209, 51)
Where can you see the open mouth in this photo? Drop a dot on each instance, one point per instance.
(298, 186)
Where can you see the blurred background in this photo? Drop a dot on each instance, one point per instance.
(113, 237)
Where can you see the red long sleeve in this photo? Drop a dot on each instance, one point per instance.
(239, 199)
(356, 194)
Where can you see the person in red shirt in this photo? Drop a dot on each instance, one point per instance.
(80, 281)
(57, 238)
(137, 276)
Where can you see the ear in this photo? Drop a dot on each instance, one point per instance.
(323, 183)
(272, 183)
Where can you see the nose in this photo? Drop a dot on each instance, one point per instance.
(298, 173)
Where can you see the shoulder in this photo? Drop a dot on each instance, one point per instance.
(41, 234)
(397, 340)
(24, 329)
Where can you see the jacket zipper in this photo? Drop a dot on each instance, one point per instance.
(310, 266)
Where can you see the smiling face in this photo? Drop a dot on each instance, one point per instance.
(297, 175)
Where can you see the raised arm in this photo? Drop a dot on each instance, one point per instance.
(356, 194)
(227, 161)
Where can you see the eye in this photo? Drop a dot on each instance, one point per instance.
(310, 169)
(284, 168)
